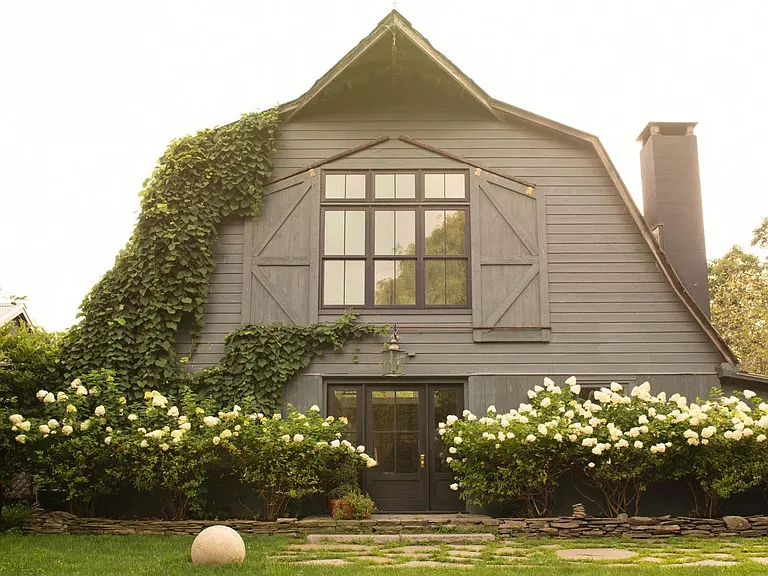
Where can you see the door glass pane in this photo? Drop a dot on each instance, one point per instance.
(408, 410)
(456, 282)
(384, 186)
(344, 403)
(405, 232)
(385, 232)
(334, 232)
(455, 232)
(334, 186)
(383, 451)
(434, 185)
(333, 282)
(407, 453)
(434, 282)
(383, 409)
(354, 282)
(355, 186)
(446, 402)
(454, 186)
(405, 185)
(384, 273)
(434, 232)
(354, 233)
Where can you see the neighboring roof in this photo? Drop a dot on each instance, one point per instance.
(394, 23)
(10, 311)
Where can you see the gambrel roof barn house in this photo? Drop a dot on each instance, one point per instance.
(504, 245)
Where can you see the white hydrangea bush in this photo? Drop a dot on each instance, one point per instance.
(516, 457)
(617, 441)
(91, 443)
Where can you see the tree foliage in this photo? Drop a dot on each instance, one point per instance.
(738, 287)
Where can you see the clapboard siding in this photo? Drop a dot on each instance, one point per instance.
(612, 312)
(509, 391)
(222, 311)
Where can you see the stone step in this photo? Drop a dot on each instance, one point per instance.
(385, 538)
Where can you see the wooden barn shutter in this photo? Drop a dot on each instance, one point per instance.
(281, 259)
(510, 292)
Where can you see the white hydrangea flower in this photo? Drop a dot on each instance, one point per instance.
(466, 413)
(61, 397)
(491, 409)
(545, 402)
(471, 418)
(542, 429)
(210, 420)
(49, 398)
(159, 401)
(334, 443)
(16, 418)
(215, 440)
(616, 387)
(749, 394)
(108, 440)
(638, 444)
(451, 419)
(530, 438)
(84, 425)
(454, 486)
(591, 465)
(587, 442)
(164, 447)
(531, 394)
(452, 450)
(25, 426)
(760, 438)
(314, 408)
(558, 437)
(370, 463)
(226, 434)
(44, 429)
(622, 443)
(448, 460)
(548, 382)
(298, 437)
(21, 439)
(458, 440)
(41, 394)
(185, 426)
(173, 412)
(132, 417)
(510, 435)
(100, 410)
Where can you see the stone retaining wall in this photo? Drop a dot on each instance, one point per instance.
(41, 522)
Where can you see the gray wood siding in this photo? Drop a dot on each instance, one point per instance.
(611, 310)
(509, 391)
(222, 312)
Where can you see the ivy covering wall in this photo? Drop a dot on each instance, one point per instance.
(160, 279)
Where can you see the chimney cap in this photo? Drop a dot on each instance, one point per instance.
(666, 129)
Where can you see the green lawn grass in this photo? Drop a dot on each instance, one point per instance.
(169, 556)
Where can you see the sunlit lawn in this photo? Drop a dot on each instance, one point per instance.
(169, 556)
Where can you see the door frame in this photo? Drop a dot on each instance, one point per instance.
(426, 446)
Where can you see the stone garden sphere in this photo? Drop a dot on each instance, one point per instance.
(218, 545)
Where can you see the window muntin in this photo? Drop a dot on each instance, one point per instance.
(387, 243)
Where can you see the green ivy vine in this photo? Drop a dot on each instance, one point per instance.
(131, 316)
(160, 279)
(259, 359)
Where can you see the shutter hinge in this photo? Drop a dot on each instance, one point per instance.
(529, 191)
(311, 172)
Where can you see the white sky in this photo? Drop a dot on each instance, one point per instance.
(91, 93)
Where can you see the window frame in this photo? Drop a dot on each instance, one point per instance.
(419, 204)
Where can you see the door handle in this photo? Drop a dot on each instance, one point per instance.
(422, 460)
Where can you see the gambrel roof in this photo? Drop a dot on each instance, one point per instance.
(394, 26)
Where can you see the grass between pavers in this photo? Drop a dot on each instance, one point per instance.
(169, 556)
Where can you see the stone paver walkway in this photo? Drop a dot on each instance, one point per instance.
(453, 551)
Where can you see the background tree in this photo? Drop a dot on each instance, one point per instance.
(738, 287)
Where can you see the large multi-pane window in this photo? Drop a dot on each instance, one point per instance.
(395, 239)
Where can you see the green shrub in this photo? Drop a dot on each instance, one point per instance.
(12, 516)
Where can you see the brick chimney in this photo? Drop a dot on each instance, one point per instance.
(669, 166)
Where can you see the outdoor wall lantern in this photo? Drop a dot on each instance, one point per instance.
(395, 357)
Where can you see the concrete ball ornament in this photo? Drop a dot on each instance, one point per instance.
(218, 545)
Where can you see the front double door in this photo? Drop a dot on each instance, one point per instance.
(398, 425)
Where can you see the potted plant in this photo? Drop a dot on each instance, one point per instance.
(351, 503)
